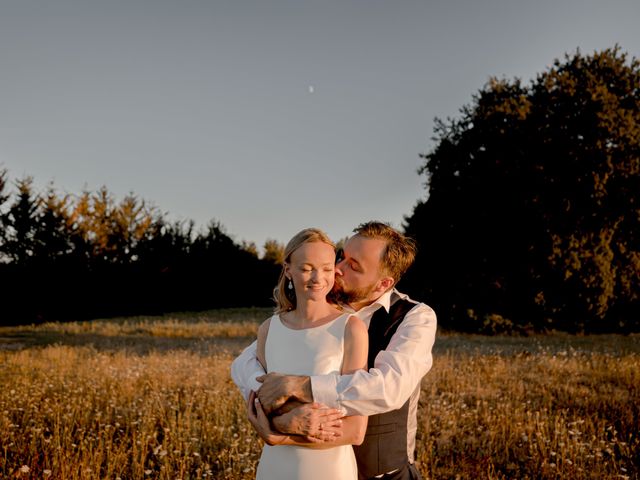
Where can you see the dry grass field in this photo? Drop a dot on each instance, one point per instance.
(142, 398)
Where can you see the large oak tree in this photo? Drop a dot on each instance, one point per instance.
(532, 215)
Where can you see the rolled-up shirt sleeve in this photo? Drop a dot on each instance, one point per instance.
(397, 370)
(244, 370)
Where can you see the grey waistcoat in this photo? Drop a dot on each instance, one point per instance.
(385, 446)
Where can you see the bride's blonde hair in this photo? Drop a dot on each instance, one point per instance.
(284, 297)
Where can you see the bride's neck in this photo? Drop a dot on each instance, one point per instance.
(312, 311)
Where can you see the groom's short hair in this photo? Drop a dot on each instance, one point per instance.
(400, 251)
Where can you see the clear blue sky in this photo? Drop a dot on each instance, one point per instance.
(268, 116)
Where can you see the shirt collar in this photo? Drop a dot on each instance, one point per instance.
(385, 301)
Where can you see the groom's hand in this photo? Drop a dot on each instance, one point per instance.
(277, 389)
(313, 420)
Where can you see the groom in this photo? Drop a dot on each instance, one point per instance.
(401, 335)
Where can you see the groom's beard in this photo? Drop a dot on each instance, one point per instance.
(342, 295)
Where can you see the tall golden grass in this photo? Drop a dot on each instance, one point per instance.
(127, 405)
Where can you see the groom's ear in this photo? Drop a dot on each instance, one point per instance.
(386, 283)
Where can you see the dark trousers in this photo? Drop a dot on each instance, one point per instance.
(408, 472)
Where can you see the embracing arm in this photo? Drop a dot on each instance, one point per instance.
(251, 363)
(245, 369)
(397, 370)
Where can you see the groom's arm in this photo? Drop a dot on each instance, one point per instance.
(397, 370)
(276, 389)
(244, 370)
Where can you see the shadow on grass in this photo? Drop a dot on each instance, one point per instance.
(180, 333)
(560, 344)
(137, 344)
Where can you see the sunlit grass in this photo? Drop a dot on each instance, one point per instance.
(74, 412)
(545, 415)
(150, 399)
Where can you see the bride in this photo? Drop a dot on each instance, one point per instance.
(307, 335)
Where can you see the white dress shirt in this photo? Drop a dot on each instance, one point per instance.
(396, 373)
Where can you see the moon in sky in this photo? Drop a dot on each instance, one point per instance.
(311, 89)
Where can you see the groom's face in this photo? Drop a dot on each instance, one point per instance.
(358, 270)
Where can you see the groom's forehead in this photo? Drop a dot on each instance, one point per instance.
(352, 245)
(359, 247)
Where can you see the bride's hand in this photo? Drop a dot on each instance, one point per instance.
(260, 422)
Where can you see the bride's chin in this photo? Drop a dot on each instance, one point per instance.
(321, 292)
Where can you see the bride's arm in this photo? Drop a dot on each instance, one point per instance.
(356, 350)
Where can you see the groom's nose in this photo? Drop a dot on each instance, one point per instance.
(338, 268)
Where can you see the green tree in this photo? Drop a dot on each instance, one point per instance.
(249, 247)
(22, 223)
(110, 231)
(533, 210)
(591, 208)
(273, 251)
(52, 239)
(4, 220)
(132, 220)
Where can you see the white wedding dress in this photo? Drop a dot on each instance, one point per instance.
(311, 351)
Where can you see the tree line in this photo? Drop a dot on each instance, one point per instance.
(532, 217)
(66, 257)
(530, 221)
